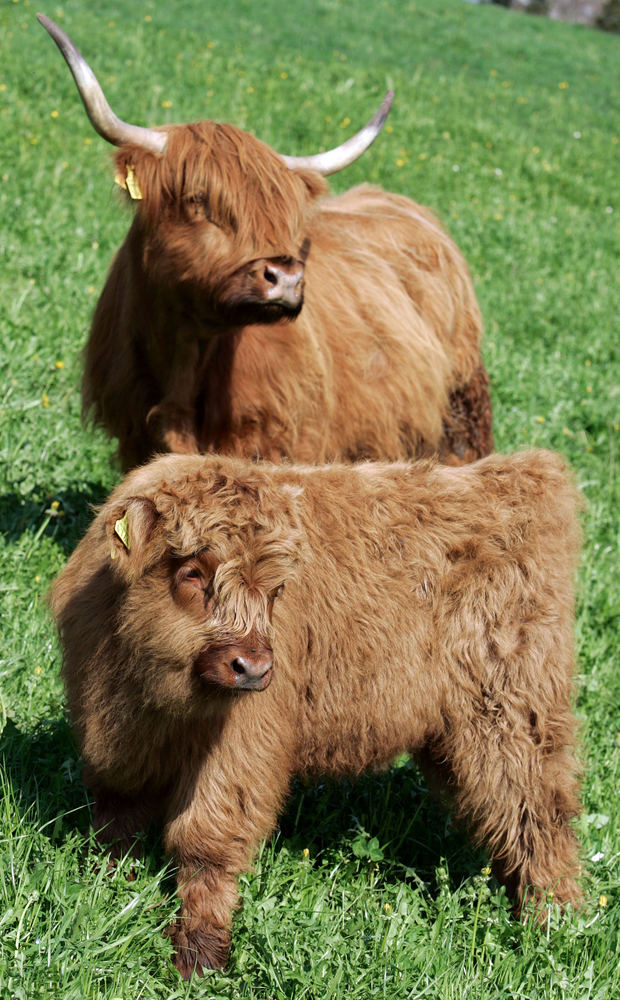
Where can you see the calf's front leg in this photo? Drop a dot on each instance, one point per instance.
(119, 818)
(235, 798)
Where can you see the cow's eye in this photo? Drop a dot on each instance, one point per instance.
(198, 208)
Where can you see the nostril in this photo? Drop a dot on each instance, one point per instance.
(270, 276)
(238, 666)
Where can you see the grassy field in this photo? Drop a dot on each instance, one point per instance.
(508, 127)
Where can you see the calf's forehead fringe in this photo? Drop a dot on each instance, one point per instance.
(205, 501)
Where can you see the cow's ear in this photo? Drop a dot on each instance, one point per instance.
(316, 185)
(130, 528)
(126, 178)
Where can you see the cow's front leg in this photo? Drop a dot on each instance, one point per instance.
(235, 798)
(172, 426)
(171, 423)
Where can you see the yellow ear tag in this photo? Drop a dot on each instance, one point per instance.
(132, 185)
(121, 528)
(129, 183)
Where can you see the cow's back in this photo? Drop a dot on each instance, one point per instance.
(392, 299)
(419, 252)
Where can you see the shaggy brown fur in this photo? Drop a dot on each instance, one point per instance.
(392, 607)
(187, 353)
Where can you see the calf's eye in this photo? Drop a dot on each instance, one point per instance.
(191, 574)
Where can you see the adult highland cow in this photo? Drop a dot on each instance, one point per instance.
(228, 625)
(247, 313)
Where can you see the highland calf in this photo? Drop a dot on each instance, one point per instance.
(227, 626)
(249, 314)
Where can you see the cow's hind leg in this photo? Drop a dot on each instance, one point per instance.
(468, 426)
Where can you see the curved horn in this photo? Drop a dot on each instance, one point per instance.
(345, 154)
(102, 117)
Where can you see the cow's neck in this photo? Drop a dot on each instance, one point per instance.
(243, 392)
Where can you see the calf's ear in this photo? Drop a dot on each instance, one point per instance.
(130, 528)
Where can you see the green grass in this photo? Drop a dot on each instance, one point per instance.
(508, 127)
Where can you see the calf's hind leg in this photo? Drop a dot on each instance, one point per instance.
(513, 782)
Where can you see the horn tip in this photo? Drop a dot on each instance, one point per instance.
(50, 26)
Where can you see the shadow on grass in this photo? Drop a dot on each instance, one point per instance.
(65, 522)
(414, 831)
(43, 775)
